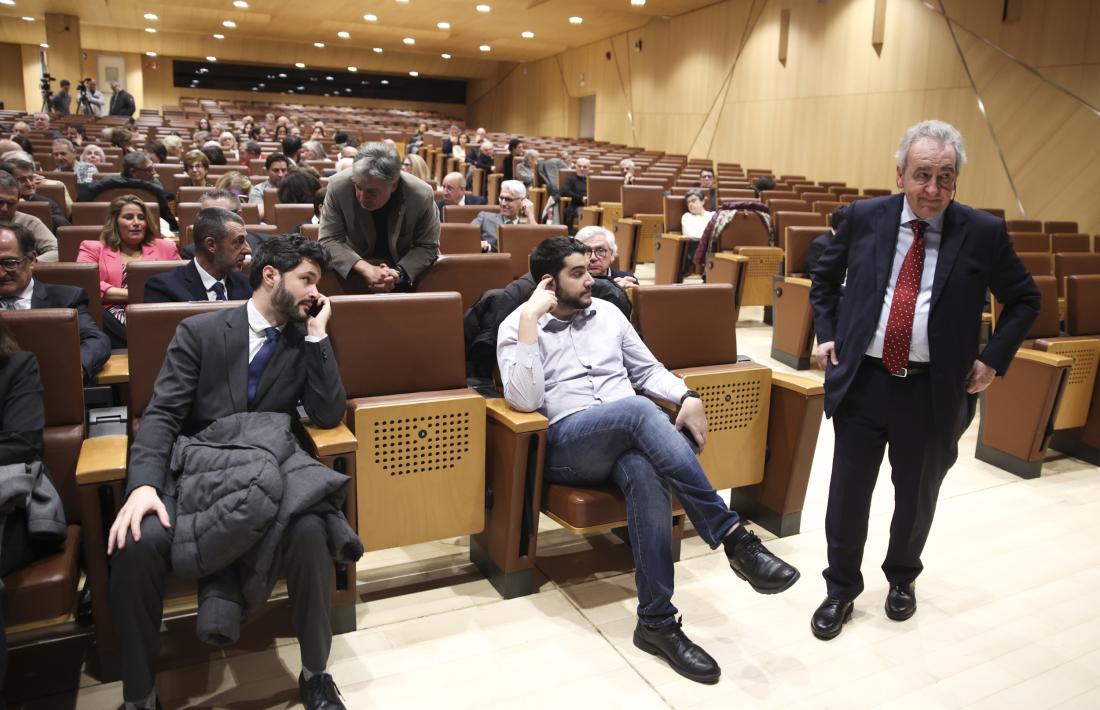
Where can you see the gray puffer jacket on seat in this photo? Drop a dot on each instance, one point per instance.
(239, 483)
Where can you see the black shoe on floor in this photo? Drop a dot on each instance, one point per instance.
(766, 573)
(901, 601)
(319, 692)
(830, 617)
(672, 644)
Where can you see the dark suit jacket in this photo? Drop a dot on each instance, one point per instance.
(122, 104)
(56, 214)
(576, 188)
(95, 346)
(183, 283)
(205, 377)
(975, 254)
(817, 248)
(22, 411)
(471, 199)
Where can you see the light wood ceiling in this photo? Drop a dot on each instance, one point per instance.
(305, 23)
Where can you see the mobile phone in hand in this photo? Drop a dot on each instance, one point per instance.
(690, 440)
(315, 309)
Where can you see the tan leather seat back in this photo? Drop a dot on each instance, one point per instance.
(783, 219)
(1070, 264)
(604, 188)
(1038, 263)
(458, 238)
(675, 207)
(1029, 241)
(41, 210)
(138, 272)
(745, 229)
(787, 205)
(288, 215)
(687, 325)
(1048, 324)
(108, 195)
(1060, 243)
(94, 214)
(799, 240)
(190, 193)
(520, 240)
(69, 239)
(1023, 225)
(642, 199)
(83, 275)
(466, 213)
(1083, 305)
(470, 275)
(1060, 227)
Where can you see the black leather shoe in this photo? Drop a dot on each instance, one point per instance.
(766, 573)
(672, 644)
(830, 617)
(319, 692)
(901, 601)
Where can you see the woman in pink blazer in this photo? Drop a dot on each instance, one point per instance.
(131, 233)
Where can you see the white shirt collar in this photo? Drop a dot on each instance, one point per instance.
(256, 320)
(28, 292)
(208, 281)
(908, 215)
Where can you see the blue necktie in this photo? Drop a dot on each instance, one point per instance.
(219, 291)
(263, 356)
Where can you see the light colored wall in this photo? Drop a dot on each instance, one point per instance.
(837, 108)
(11, 79)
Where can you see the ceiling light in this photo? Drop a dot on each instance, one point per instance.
(384, 81)
(485, 48)
(300, 65)
(319, 45)
(343, 35)
(409, 41)
(403, 2)
(150, 30)
(370, 17)
(219, 36)
(377, 50)
(27, 18)
(282, 75)
(151, 17)
(7, 2)
(445, 55)
(44, 46)
(241, 4)
(328, 78)
(637, 3)
(414, 73)
(353, 69)
(527, 35)
(150, 54)
(483, 8)
(574, 20)
(443, 25)
(229, 23)
(211, 58)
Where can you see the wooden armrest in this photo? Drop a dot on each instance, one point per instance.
(665, 404)
(728, 256)
(798, 281)
(802, 385)
(331, 442)
(760, 251)
(115, 371)
(592, 208)
(518, 422)
(102, 459)
(1044, 358)
(677, 236)
(629, 221)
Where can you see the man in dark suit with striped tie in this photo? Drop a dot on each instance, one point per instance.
(902, 361)
(266, 355)
(221, 246)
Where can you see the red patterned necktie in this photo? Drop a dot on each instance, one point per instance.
(899, 326)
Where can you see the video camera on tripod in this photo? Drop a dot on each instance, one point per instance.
(44, 86)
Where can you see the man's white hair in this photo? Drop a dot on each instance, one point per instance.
(515, 187)
(593, 231)
(943, 133)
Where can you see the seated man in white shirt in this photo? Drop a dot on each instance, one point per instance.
(576, 359)
(215, 272)
(515, 208)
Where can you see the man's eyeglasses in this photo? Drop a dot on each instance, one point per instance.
(12, 264)
(945, 181)
(598, 251)
(506, 200)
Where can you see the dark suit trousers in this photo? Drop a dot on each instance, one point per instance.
(881, 411)
(137, 596)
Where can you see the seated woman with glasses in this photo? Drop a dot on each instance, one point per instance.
(131, 233)
(602, 251)
(197, 167)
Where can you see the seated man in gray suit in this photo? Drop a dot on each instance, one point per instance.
(266, 355)
(376, 213)
(214, 274)
(515, 208)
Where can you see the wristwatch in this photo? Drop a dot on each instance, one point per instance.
(689, 393)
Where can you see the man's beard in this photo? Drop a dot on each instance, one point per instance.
(574, 302)
(286, 305)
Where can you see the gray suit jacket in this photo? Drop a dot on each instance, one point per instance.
(205, 377)
(347, 229)
(489, 222)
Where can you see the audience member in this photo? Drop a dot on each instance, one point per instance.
(64, 155)
(483, 159)
(291, 146)
(710, 189)
(515, 150)
(23, 171)
(302, 187)
(697, 217)
(174, 145)
(277, 355)
(214, 153)
(515, 208)
(626, 169)
(821, 242)
(602, 251)
(197, 167)
(156, 149)
(528, 168)
(203, 124)
(376, 212)
(461, 149)
(85, 168)
(214, 274)
(62, 100)
(41, 121)
(764, 182)
(19, 290)
(454, 193)
(228, 143)
(252, 151)
(415, 165)
(601, 432)
(122, 138)
(76, 133)
(235, 183)
(122, 102)
(137, 173)
(131, 233)
(449, 143)
(277, 166)
(576, 188)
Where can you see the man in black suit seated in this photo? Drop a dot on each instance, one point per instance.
(483, 159)
(20, 291)
(137, 174)
(454, 193)
(214, 273)
(576, 188)
(821, 242)
(266, 355)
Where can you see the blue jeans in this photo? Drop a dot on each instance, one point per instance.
(632, 443)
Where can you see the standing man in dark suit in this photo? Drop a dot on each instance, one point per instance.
(266, 355)
(20, 291)
(214, 274)
(122, 101)
(902, 359)
(454, 193)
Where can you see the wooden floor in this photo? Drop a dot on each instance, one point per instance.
(1009, 616)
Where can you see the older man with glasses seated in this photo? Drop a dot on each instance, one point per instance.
(515, 208)
(602, 251)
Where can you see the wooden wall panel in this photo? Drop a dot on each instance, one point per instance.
(11, 79)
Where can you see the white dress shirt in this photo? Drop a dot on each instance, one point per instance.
(933, 233)
(587, 361)
(208, 282)
(22, 301)
(257, 330)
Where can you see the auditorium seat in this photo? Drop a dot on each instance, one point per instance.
(69, 239)
(41, 210)
(877, 192)
(108, 195)
(66, 178)
(643, 221)
(271, 198)
(139, 272)
(995, 211)
(95, 213)
(519, 240)
(782, 220)
(466, 213)
(787, 205)
(604, 206)
(1069, 264)
(1038, 263)
(1025, 225)
(188, 193)
(84, 275)
(470, 275)
(1060, 227)
(289, 216)
(1070, 242)
(458, 238)
(669, 251)
(1029, 241)
(792, 314)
